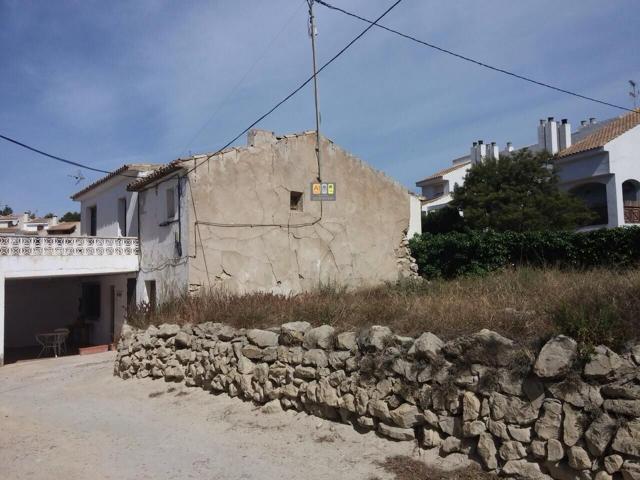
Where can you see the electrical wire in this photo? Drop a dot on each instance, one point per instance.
(469, 59)
(300, 87)
(60, 159)
(243, 78)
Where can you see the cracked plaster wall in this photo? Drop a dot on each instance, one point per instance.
(359, 240)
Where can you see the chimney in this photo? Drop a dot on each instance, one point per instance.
(473, 153)
(53, 221)
(564, 134)
(583, 123)
(541, 129)
(257, 137)
(493, 151)
(551, 136)
(592, 121)
(509, 147)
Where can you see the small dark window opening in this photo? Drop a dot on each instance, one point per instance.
(295, 201)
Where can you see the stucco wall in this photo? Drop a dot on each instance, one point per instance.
(105, 199)
(357, 240)
(160, 258)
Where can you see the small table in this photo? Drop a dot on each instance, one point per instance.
(50, 341)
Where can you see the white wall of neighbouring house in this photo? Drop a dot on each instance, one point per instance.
(164, 240)
(415, 216)
(624, 161)
(105, 198)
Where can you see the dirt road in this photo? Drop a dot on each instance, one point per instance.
(69, 418)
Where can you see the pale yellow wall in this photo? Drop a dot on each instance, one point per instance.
(357, 242)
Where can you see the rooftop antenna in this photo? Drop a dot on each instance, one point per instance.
(78, 177)
(634, 93)
(312, 33)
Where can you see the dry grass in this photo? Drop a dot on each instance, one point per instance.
(406, 468)
(525, 304)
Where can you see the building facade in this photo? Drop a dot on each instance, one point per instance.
(253, 218)
(600, 163)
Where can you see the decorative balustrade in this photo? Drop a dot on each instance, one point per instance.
(24, 245)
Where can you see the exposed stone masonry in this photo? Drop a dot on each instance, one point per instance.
(522, 415)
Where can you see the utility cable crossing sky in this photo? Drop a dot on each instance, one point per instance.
(371, 23)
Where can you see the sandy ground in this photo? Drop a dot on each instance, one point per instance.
(69, 418)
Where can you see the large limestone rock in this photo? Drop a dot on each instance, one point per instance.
(512, 450)
(484, 348)
(627, 438)
(396, 433)
(599, 434)
(512, 409)
(573, 425)
(316, 358)
(522, 469)
(431, 438)
(555, 450)
(426, 346)
(487, 451)
(319, 337)
(548, 426)
(406, 416)
(262, 338)
(556, 357)
(167, 330)
(292, 333)
(629, 408)
(630, 470)
(375, 338)
(470, 407)
(182, 340)
(347, 341)
(613, 463)
(576, 392)
(603, 363)
(578, 458)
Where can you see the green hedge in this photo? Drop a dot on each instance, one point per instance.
(467, 253)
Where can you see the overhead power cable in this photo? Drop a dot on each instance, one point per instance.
(59, 159)
(469, 59)
(300, 87)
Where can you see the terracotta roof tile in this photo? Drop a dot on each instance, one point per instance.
(443, 172)
(140, 167)
(604, 135)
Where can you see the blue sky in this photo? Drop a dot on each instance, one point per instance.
(107, 83)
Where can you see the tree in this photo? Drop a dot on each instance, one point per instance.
(49, 215)
(444, 220)
(7, 210)
(518, 192)
(70, 217)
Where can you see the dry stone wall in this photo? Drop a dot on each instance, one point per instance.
(521, 414)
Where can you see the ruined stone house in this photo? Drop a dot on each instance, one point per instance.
(245, 220)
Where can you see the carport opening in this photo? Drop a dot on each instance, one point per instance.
(62, 315)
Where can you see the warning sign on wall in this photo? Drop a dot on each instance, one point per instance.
(325, 191)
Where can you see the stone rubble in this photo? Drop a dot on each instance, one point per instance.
(523, 415)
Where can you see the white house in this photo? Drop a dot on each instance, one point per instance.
(84, 283)
(600, 163)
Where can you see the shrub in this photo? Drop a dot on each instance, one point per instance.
(458, 254)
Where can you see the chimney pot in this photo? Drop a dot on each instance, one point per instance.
(564, 121)
(550, 119)
(583, 123)
(592, 120)
(480, 142)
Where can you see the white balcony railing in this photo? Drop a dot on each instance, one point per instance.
(25, 245)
